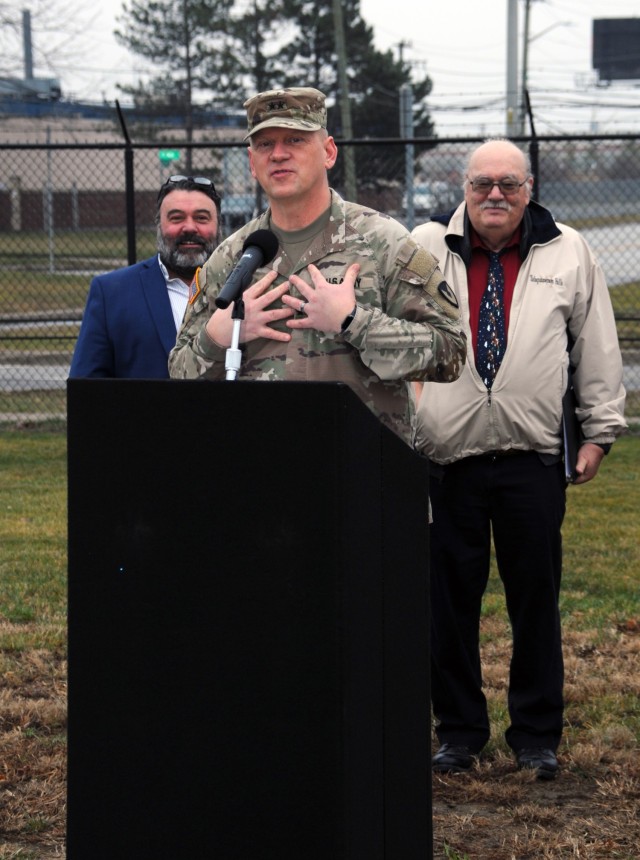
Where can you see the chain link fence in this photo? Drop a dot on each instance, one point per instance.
(69, 212)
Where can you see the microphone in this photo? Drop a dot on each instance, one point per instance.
(259, 248)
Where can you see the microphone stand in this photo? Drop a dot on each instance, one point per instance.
(233, 358)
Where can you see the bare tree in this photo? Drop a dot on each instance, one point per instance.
(60, 36)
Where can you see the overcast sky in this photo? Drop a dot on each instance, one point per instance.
(461, 44)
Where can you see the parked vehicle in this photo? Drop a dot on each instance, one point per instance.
(432, 197)
(424, 200)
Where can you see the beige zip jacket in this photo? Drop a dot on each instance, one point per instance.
(560, 286)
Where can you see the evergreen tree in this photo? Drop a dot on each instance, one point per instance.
(374, 77)
(258, 28)
(374, 81)
(230, 49)
(226, 50)
(191, 43)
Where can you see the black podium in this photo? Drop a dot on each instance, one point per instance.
(248, 626)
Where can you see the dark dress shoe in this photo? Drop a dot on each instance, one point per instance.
(452, 758)
(543, 761)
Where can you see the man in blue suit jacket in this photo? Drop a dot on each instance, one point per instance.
(132, 315)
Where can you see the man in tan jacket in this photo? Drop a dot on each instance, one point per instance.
(532, 299)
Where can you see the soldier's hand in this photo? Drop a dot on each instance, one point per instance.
(323, 306)
(259, 316)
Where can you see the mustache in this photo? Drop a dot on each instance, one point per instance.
(191, 238)
(498, 204)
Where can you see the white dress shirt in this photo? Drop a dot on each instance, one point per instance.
(178, 294)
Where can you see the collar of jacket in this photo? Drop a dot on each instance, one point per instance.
(538, 227)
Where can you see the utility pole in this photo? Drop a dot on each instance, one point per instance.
(525, 65)
(345, 104)
(526, 40)
(512, 68)
(401, 46)
(188, 107)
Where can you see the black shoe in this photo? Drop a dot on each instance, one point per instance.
(543, 761)
(452, 758)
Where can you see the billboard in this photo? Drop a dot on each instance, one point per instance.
(616, 48)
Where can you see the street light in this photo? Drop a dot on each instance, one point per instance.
(526, 40)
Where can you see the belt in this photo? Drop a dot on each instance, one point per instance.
(437, 470)
(502, 455)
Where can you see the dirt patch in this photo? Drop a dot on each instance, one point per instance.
(500, 813)
(591, 811)
(32, 754)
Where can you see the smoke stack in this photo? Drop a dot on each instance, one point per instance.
(28, 50)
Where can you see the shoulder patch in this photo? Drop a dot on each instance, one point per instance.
(419, 262)
(447, 293)
(194, 289)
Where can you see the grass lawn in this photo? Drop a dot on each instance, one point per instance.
(495, 813)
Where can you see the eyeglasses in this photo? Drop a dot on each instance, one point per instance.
(206, 185)
(483, 185)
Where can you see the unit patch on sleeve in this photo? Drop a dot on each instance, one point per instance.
(447, 293)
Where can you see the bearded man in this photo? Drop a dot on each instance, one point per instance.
(133, 314)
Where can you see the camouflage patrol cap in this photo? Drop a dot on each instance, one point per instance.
(294, 107)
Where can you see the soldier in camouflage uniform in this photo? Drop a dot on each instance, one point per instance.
(349, 296)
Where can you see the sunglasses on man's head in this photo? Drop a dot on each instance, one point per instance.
(206, 185)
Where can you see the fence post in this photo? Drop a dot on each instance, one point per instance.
(75, 206)
(130, 202)
(15, 192)
(406, 131)
(47, 207)
(534, 149)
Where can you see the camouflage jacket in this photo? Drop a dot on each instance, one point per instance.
(406, 328)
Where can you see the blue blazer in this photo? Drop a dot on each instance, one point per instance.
(127, 328)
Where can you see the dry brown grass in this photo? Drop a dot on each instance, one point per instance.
(32, 754)
(592, 810)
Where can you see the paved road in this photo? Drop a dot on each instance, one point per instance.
(33, 377)
(617, 249)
